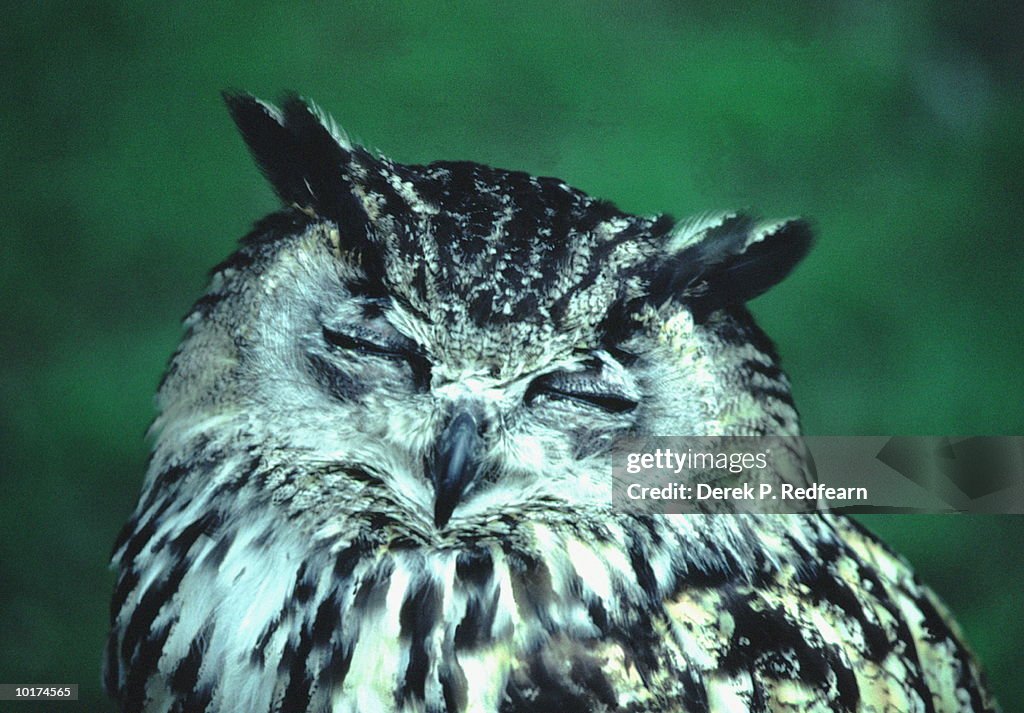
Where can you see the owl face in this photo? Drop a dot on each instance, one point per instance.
(450, 348)
(358, 385)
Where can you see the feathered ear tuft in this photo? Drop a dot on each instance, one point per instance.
(273, 146)
(305, 159)
(728, 260)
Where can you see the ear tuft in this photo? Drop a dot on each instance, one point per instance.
(302, 154)
(728, 260)
(272, 145)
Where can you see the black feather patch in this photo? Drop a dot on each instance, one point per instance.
(728, 267)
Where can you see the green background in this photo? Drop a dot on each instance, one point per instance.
(895, 127)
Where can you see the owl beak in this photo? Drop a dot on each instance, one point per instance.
(455, 464)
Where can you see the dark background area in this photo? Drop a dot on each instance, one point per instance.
(896, 128)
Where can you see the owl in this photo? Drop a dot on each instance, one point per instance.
(380, 476)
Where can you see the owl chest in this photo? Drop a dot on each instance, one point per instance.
(472, 629)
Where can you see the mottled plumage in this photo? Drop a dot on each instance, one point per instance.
(381, 478)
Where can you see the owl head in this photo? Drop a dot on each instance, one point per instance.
(443, 348)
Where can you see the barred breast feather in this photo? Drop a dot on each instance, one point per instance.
(218, 612)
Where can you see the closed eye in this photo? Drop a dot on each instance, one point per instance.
(417, 361)
(352, 343)
(586, 391)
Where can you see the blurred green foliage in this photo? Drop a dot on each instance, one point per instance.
(896, 127)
